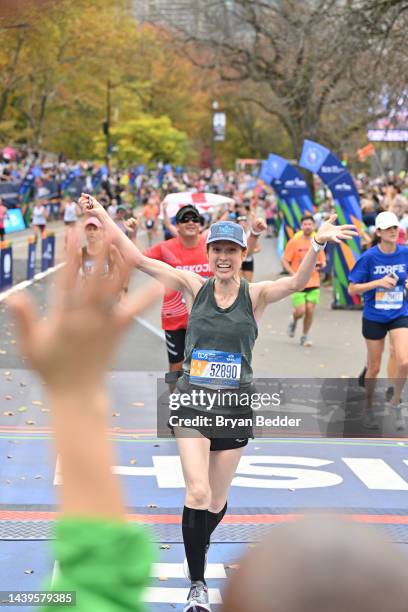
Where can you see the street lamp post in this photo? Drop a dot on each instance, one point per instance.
(214, 108)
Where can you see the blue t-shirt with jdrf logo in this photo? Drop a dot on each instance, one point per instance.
(381, 304)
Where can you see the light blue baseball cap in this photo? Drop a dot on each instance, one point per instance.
(226, 230)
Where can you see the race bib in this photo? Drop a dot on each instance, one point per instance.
(389, 299)
(215, 369)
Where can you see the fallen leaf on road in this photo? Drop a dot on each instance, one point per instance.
(165, 546)
(8, 413)
(8, 397)
(22, 409)
(37, 403)
(138, 404)
(133, 461)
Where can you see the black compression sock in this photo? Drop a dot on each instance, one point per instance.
(214, 518)
(194, 525)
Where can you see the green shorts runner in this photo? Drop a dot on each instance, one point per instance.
(299, 298)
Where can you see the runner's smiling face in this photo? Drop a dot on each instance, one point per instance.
(225, 258)
(389, 235)
(189, 226)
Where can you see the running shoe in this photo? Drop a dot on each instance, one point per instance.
(292, 327)
(399, 419)
(361, 378)
(186, 569)
(304, 341)
(389, 393)
(197, 600)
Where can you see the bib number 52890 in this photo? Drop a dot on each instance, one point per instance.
(223, 370)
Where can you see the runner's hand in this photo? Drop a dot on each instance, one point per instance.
(387, 282)
(132, 225)
(329, 232)
(91, 206)
(258, 225)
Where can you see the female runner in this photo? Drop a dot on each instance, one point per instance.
(224, 312)
(380, 275)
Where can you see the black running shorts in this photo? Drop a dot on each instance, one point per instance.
(373, 330)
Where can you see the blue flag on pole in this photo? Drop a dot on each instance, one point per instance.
(321, 161)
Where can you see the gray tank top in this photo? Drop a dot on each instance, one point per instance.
(231, 330)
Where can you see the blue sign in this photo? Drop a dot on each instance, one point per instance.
(6, 267)
(32, 249)
(47, 252)
(14, 221)
(328, 167)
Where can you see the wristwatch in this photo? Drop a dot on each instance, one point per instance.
(318, 246)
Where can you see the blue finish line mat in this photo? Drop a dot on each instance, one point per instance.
(276, 481)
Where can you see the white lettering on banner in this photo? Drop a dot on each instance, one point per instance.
(296, 182)
(343, 187)
(332, 169)
(277, 472)
(285, 477)
(376, 474)
(382, 269)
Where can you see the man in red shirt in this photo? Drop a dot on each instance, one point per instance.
(187, 251)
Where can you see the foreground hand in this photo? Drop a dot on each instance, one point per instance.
(76, 344)
(328, 232)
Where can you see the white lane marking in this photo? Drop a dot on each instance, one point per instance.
(27, 283)
(152, 328)
(175, 570)
(169, 594)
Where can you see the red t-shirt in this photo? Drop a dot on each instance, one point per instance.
(174, 311)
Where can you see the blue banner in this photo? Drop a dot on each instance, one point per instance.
(31, 256)
(47, 252)
(6, 266)
(14, 221)
(295, 199)
(321, 161)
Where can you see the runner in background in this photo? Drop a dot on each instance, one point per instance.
(380, 274)
(305, 301)
(186, 251)
(151, 213)
(39, 219)
(90, 254)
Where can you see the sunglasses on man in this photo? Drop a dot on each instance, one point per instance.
(189, 218)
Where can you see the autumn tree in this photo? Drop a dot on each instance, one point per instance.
(321, 67)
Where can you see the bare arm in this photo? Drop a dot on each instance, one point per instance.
(166, 222)
(179, 280)
(387, 282)
(257, 228)
(272, 291)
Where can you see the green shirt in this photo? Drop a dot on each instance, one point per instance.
(107, 563)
